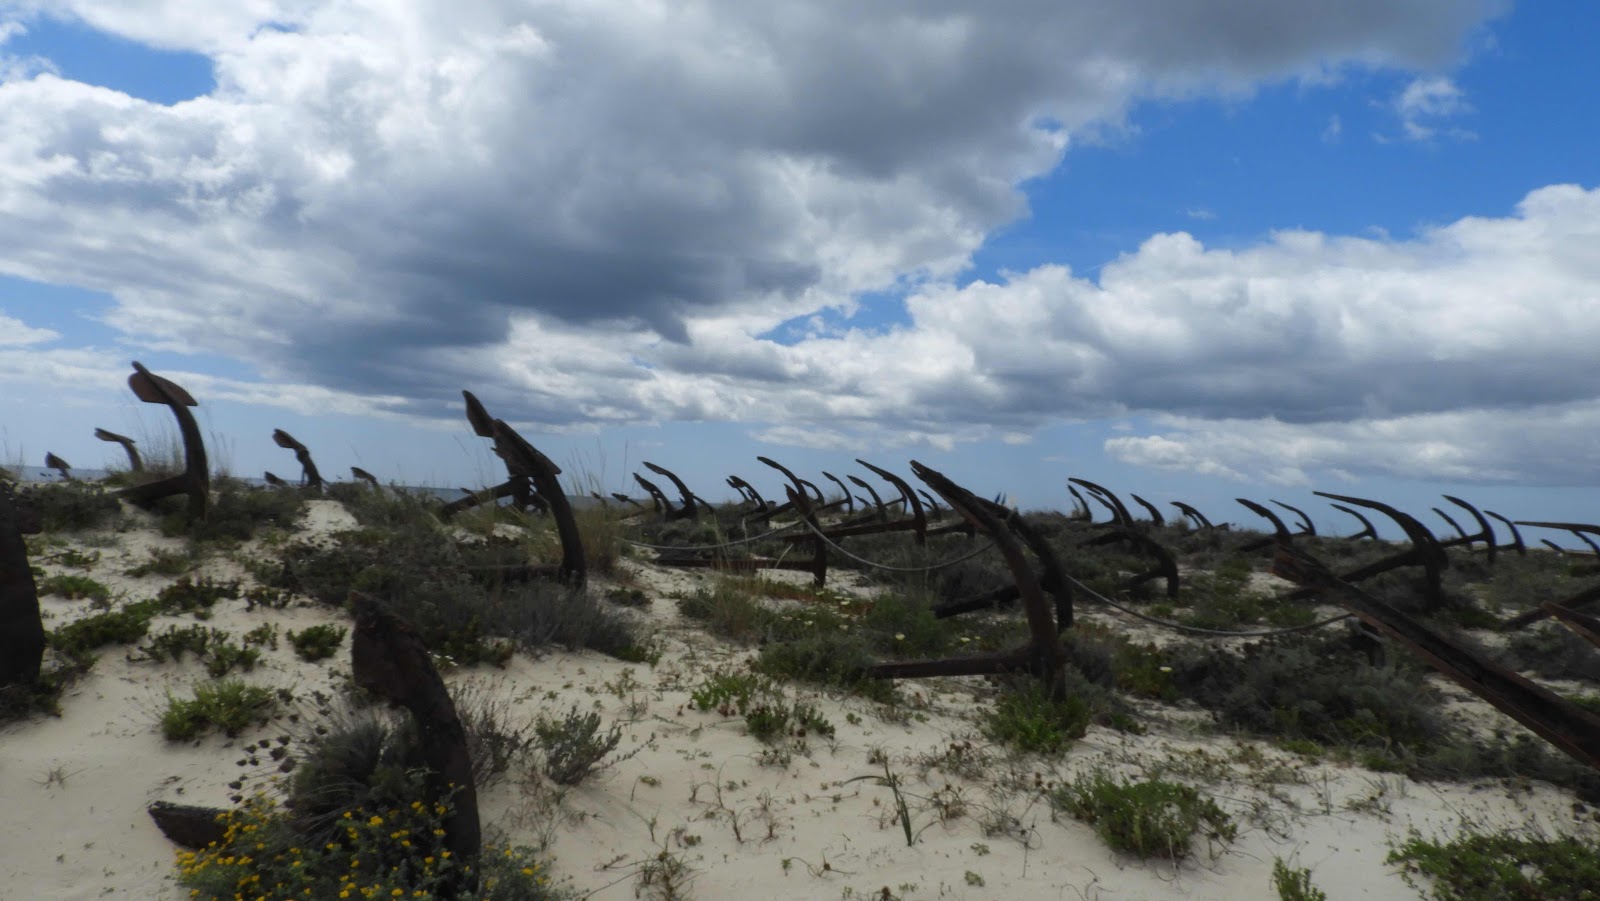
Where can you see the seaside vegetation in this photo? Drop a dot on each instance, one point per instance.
(349, 822)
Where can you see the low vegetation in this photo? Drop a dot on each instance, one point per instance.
(1478, 865)
(228, 705)
(347, 814)
(1148, 818)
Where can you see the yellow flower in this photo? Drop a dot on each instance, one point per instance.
(375, 821)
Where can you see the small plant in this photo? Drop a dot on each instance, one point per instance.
(769, 721)
(163, 562)
(80, 638)
(266, 598)
(573, 746)
(1294, 883)
(1153, 818)
(262, 636)
(315, 643)
(195, 596)
(76, 559)
(213, 647)
(1501, 866)
(74, 587)
(227, 704)
(393, 850)
(1029, 720)
(728, 609)
(73, 506)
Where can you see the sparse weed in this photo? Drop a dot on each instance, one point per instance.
(195, 596)
(74, 587)
(1153, 818)
(226, 704)
(1294, 883)
(1029, 720)
(1501, 866)
(163, 562)
(573, 745)
(315, 643)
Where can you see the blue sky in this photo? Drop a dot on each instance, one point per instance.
(1254, 250)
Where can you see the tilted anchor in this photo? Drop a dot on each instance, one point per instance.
(309, 476)
(195, 480)
(135, 464)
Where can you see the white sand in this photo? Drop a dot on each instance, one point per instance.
(74, 789)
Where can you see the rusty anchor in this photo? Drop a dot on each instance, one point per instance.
(135, 464)
(1196, 516)
(1424, 551)
(309, 476)
(195, 480)
(1155, 514)
(1367, 531)
(1043, 654)
(1564, 724)
(531, 471)
(1123, 528)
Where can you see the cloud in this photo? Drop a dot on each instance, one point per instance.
(16, 333)
(1556, 441)
(590, 210)
(418, 179)
(1334, 128)
(1425, 103)
(1200, 213)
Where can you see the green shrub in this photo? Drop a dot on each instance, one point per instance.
(376, 851)
(315, 643)
(76, 559)
(1026, 718)
(831, 658)
(74, 587)
(236, 513)
(213, 647)
(727, 609)
(776, 719)
(760, 701)
(1294, 883)
(227, 704)
(195, 596)
(72, 506)
(80, 638)
(573, 745)
(470, 617)
(1152, 818)
(163, 562)
(262, 636)
(1314, 688)
(1502, 866)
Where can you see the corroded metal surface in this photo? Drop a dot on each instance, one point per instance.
(1564, 724)
(532, 471)
(1155, 514)
(1199, 518)
(389, 659)
(195, 480)
(1367, 531)
(21, 627)
(1042, 655)
(129, 446)
(1307, 527)
(310, 477)
(1424, 551)
(62, 467)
